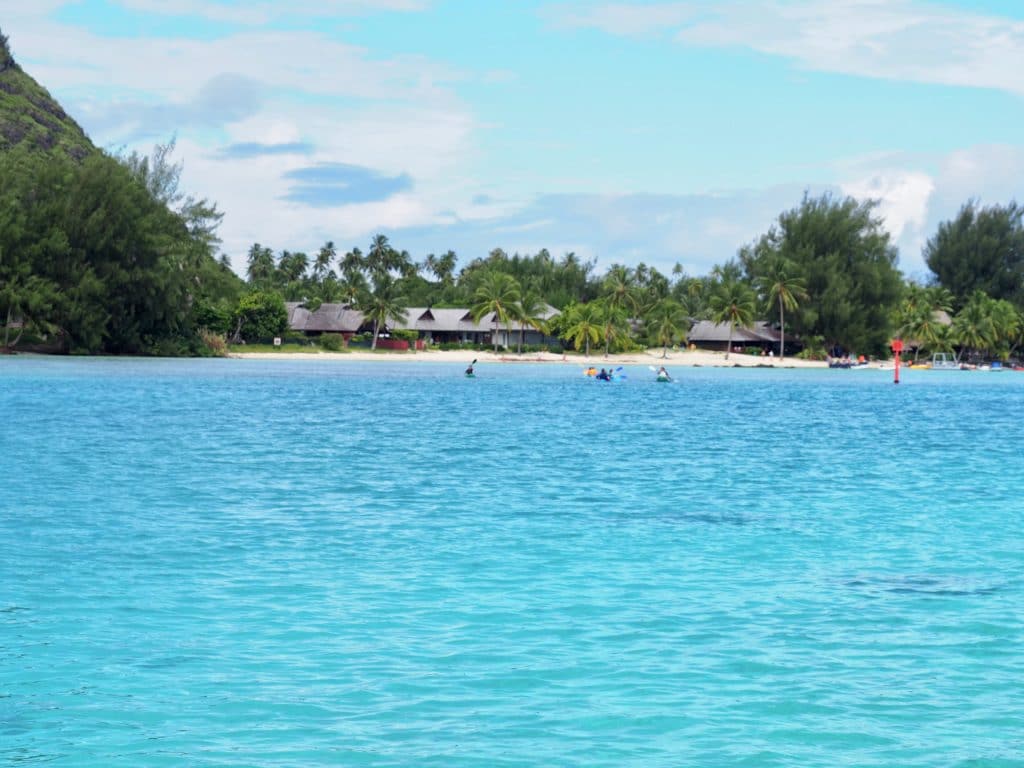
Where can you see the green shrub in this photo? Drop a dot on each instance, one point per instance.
(332, 342)
(262, 315)
(212, 317)
(212, 344)
(403, 334)
(447, 345)
(172, 346)
(814, 349)
(301, 340)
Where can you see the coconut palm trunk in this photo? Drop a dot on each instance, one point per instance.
(728, 347)
(782, 330)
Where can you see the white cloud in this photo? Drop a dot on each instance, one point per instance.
(916, 193)
(394, 115)
(903, 197)
(891, 39)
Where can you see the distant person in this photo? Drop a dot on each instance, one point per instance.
(663, 374)
(603, 375)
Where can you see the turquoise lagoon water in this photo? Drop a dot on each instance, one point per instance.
(273, 563)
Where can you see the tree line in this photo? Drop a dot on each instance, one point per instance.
(109, 255)
(825, 272)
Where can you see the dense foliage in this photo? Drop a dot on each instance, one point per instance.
(845, 263)
(93, 258)
(106, 254)
(982, 249)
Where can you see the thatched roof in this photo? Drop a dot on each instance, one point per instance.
(340, 318)
(327, 318)
(454, 320)
(707, 331)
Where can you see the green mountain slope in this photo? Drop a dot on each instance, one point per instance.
(31, 118)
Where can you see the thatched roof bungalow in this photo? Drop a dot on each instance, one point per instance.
(434, 325)
(327, 318)
(438, 326)
(708, 335)
(510, 337)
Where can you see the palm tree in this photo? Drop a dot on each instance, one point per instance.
(323, 260)
(924, 326)
(260, 266)
(530, 312)
(732, 303)
(583, 325)
(922, 316)
(690, 292)
(614, 324)
(939, 299)
(352, 263)
(779, 283)
(1005, 326)
(440, 267)
(973, 327)
(292, 266)
(384, 304)
(353, 289)
(383, 258)
(379, 256)
(497, 293)
(620, 298)
(730, 272)
(667, 318)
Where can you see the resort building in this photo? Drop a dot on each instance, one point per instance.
(444, 326)
(708, 335)
(530, 336)
(433, 325)
(327, 318)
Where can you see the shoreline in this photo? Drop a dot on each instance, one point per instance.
(682, 358)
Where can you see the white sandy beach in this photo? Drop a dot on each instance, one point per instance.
(650, 357)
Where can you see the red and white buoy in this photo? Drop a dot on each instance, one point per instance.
(897, 347)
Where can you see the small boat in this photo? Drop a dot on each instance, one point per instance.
(942, 361)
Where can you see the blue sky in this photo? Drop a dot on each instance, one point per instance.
(660, 132)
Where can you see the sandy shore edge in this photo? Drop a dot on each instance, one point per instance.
(651, 357)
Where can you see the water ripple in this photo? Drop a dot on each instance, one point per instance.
(236, 563)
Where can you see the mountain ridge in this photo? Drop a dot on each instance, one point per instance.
(31, 118)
